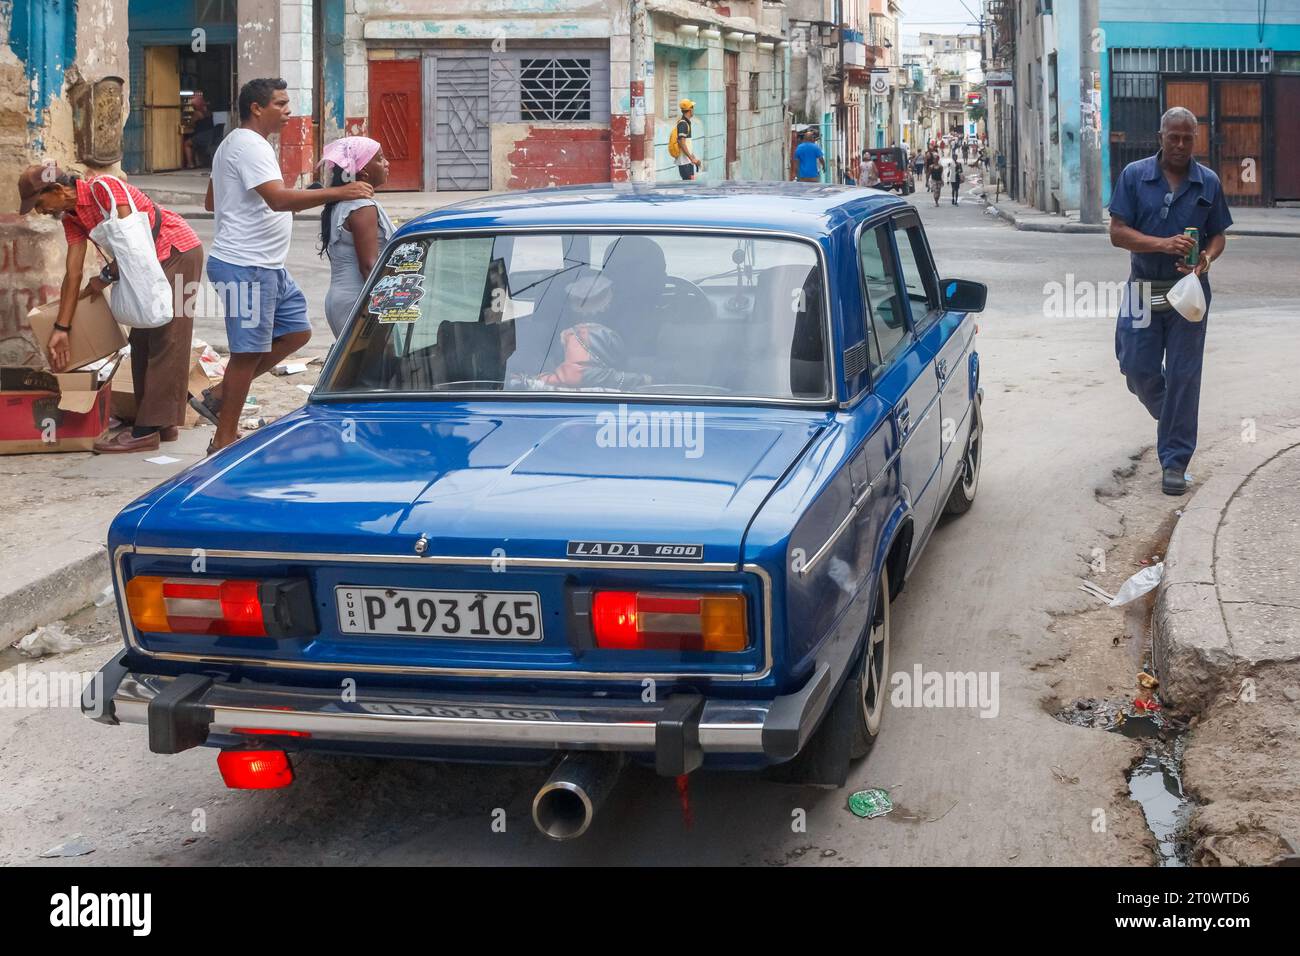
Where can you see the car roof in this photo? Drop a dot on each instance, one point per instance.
(807, 209)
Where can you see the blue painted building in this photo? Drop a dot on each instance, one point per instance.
(1235, 65)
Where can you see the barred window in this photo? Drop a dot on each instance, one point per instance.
(555, 89)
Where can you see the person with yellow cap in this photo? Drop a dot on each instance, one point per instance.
(687, 161)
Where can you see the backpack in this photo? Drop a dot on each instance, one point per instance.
(674, 148)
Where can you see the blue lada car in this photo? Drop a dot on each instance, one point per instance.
(598, 474)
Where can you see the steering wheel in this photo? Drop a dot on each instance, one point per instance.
(689, 294)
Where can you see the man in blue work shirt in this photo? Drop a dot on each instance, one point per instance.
(1153, 202)
(809, 159)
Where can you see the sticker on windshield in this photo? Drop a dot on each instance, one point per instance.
(635, 551)
(408, 257)
(397, 298)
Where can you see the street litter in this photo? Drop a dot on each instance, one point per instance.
(1139, 584)
(74, 847)
(49, 639)
(105, 597)
(289, 368)
(1096, 590)
(213, 367)
(162, 460)
(870, 803)
(252, 424)
(1145, 701)
(307, 388)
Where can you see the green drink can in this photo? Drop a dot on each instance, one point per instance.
(1193, 254)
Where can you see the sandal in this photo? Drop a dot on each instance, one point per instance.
(207, 406)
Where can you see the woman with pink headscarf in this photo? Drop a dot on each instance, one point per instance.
(352, 232)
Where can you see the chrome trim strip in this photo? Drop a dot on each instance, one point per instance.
(725, 726)
(132, 640)
(852, 513)
(828, 330)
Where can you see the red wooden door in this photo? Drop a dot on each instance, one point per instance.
(1286, 137)
(395, 120)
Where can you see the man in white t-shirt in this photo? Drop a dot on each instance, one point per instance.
(266, 312)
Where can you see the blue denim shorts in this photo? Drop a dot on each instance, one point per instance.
(260, 304)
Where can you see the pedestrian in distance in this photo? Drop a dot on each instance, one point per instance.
(1160, 352)
(160, 355)
(936, 167)
(352, 232)
(688, 164)
(955, 171)
(809, 159)
(870, 171)
(266, 312)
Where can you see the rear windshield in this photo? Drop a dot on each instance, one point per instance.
(638, 313)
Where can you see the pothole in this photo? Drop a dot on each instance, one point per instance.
(1156, 780)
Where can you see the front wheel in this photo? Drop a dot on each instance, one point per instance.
(963, 492)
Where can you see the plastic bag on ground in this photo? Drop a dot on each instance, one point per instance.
(50, 639)
(1145, 580)
(1188, 298)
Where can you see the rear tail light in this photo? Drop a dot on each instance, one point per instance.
(221, 606)
(255, 769)
(648, 620)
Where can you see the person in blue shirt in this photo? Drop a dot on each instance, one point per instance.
(1159, 351)
(809, 159)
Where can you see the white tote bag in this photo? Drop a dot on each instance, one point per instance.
(141, 297)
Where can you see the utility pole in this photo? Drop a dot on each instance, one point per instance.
(1090, 40)
(637, 51)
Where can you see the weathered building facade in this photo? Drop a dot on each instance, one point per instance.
(1236, 66)
(63, 83)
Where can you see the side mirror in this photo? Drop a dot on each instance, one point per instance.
(963, 295)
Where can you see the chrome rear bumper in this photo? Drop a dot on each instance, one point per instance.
(181, 712)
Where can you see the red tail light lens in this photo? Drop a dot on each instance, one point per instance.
(255, 769)
(647, 620)
(196, 606)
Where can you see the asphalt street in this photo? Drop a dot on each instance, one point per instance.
(968, 789)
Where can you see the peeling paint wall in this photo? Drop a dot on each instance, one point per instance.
(531, 156)
(46, 46)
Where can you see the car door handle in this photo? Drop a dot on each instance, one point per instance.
(904, 417)
(941, 367)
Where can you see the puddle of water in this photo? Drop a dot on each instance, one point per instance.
(1156, 782)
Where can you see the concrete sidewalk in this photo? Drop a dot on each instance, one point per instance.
(1229, 603)
(1282, 222)
(55, 524)
(185, 190)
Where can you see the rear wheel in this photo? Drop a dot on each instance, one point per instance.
(852, 721)
(873, 674)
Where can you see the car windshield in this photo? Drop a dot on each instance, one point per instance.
(651, 314)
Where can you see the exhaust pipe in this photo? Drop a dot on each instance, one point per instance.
(565, 805)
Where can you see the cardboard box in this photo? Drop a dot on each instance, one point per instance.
(95, 333)
(43, 411)
(123, 404)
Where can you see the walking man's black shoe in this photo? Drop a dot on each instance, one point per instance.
(1174, 482)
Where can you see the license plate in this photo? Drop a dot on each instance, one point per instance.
(459, 615)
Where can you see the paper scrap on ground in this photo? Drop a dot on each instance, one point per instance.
(307, 388)
(289, 368)
(161, 460)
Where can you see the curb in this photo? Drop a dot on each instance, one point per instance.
(1190, 646)
(1036, 224)
(54, 593)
